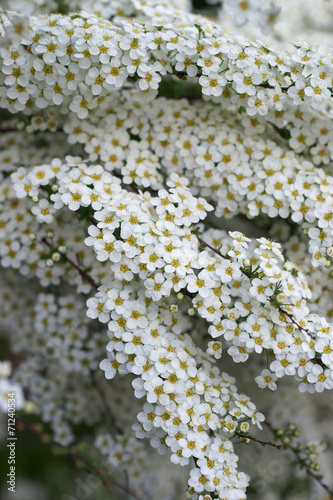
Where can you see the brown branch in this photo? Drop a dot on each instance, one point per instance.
(290, 316)
(15, 129)
(316, 477)
(82, 273)
(105, 405)
(186, 292)
(110, 483)
(263, 443)
(10, 129)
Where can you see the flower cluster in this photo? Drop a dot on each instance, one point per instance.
(83, 60)
(150, 238)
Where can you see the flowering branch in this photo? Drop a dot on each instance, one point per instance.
(122, 89)
(271, 299)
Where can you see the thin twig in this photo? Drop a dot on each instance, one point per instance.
(105, 405)
(316, 477)
(82, 273)
(15, 129)
(263, 443)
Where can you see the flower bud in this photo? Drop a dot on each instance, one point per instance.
(329, 251)
(29, 407)
(245, 427)
(288, 265)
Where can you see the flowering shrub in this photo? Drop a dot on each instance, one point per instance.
(166, 216)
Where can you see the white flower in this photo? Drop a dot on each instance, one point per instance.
(11, 395)
(109, 366)
(157, 287)
(212, 84)
(227, 271)
(267, 379)
(245, 82)
(257, 104)
(43, 211)
(97, 309)
(215, 349)
(320, 378)
(261, 289)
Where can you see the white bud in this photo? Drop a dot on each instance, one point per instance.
(62, 249)
(54, 188)
(49, 262)
(56, 256)
(180, 295)
(245, 426)
(328, 263)
(32, 236)
(5, 368)
(289, 266)
(246, 262)
(191, 311)
(35, 199)
(29, 407)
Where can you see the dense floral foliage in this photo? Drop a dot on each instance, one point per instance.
(166, 216)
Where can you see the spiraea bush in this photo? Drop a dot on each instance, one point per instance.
(166, 241)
